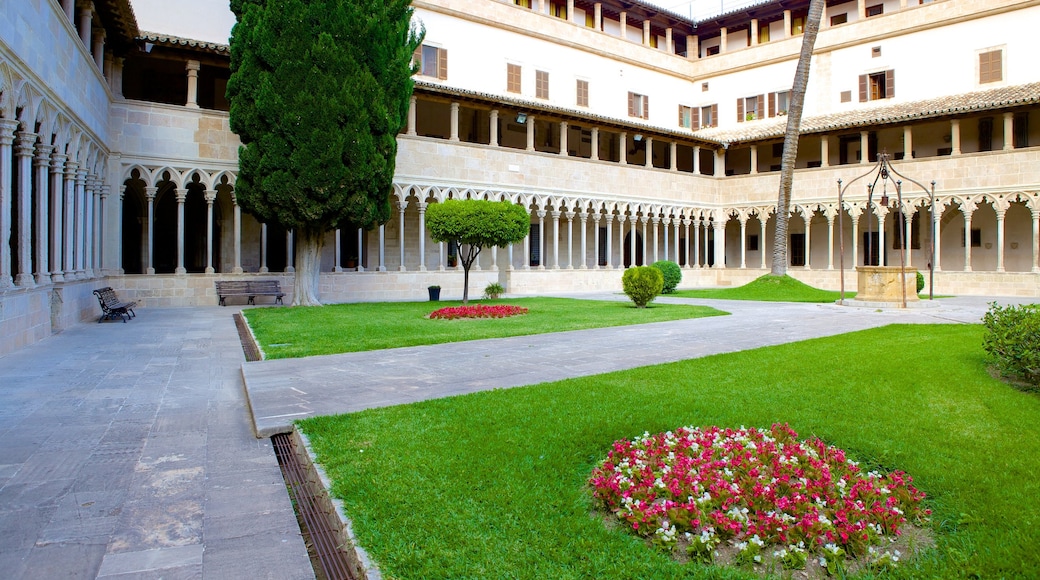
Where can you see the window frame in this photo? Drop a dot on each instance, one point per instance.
(514, 78)
(581, 98)
(983, 69)
(541, 84)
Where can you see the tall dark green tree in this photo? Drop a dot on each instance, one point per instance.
(319, 90)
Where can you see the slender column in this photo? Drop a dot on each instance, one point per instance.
(23, 152)
(678, 240)
(494, 128)
(509, 266)
(696, 242)
(854, 214)
(673, 155)
(192, 67)
(596, 217)
(696, 160)
(7, 127)
(907, 229)
(668, 43)
(570, 240)
(830, 242)
(84, 23)
(649, 162)
(720, 244)
(864, 147)
(90, 230)
(720, 163)
(595, 141)
(861, 9)
(382, 248)
(42, 163)
(723, 39)
(182, 194)
(825, 151)
(556, 239)
(583, 261)
(1036, 240)
(149, 194)
(706, 245)
(119, 232)
(787, 24)
(454, 127)
(623, 146)
(908, 142)
(238, 236)
(530, 133)
(442, 257)
(541, 239)
(955, 137)
(762, 240)
(99, 229)
(610, 243)
(693, 50)
(1000, 211)
(80, 235)
(422, 236)
(69, 6)
(411, 116)
(57, 196)
(666, 221)
(808, 231)
(754, 32)
(631, 238)
(623, 17)
(263, 247)
(646, 220)
(117, 76)
(882, 254)
(290, 253)
(570, 11)
(210, 197)
(655, 222)
(646, 33)
(361, 250)
(527, 250)
(1009, 131)
(754, 159)
(563, 139)
(494, 258)
(400, 230)
(967, 237)
(99, 48)
(337, 255)
(936, 239)
(743, 242)
(598, 15)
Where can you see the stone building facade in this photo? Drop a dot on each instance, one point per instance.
(630, 133)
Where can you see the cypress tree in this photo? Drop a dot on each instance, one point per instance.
(319, 90)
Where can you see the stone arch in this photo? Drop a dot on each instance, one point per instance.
(134, 221)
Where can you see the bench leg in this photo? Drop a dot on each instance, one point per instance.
(222, 301)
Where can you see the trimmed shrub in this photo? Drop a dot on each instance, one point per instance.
(920, 281)
(642, 284)
(1013, 340)
(493, 290)
(672, 275)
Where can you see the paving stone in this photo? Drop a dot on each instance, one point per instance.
(158, 562)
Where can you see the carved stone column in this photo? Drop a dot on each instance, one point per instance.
(290, 253)
(182, 194)
(210, 197)
(57, 196)
(263, 248)
(595, 145)
(23, 152)
(541, 239)
(149, 194)
(967, 209)
(7, 127)
(422, 236)
(743, 241)
(453, 126)
(401, 207)
(42, 163)
(556, 239)
(192, 67)
(493, 140)
(237, 269)
(1000, 210)
(720, 244)
(655, 221)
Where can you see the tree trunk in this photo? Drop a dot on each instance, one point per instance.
(308, 268)
(794, 121)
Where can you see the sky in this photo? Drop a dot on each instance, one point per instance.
(211, 20)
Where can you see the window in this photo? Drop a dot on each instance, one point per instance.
(1021, 130)
(750, 108)
(798, 24)
(558, 9)
(432, 61)
(541, 84)
(875, 10)
(875, 86)
(986, 134)
(846, 96)
(839, 19)
(638, 106)
(779, 102)
(875, 52)
(523, 3)
(688, 117)
(710, 116)
(991, 66)
(704, 87)
(582, 98)
(513, 78)
(590, 19)
(711, 51)
(763, 33)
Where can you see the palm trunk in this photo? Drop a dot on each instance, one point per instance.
(794, 121)
(308, 268)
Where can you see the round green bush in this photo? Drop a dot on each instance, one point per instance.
(672, 275)
(920, 282)
(1012, 340)
(642, 284)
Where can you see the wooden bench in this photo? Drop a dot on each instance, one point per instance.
(249, 288)
(112, 306)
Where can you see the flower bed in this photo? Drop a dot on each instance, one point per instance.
(478, 311)
(747, 492)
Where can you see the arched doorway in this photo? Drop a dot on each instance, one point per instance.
(134, 242)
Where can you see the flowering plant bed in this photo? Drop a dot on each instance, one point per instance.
(758, 498)
(478, 311)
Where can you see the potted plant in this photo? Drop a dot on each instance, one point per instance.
(352, 262)
(493, 291)
(435, 292)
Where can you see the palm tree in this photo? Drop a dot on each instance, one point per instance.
(794, 121)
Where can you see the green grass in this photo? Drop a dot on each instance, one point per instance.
(493, 484)
(768, 288)
(309, 331)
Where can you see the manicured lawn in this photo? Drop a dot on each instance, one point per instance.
(309, 331)
(768, 289)
(493, 485)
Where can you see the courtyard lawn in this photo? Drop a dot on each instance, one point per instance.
(493, 484)
(336, 328)
(768, 288)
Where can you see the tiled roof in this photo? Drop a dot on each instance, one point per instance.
(177, 41)
(883, 114)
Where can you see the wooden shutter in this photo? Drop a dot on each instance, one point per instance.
(681, 116)
(646, 107)
(772, 104)
(442, 64)
(715, 115)
(863, 88)
(740, 110)
(695, 118)
(631, 104)
(513, 78)
(761, 112)
(890, 83)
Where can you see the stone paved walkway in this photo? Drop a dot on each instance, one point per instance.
(127, 452)
(281, 391)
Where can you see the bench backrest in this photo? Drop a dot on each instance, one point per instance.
(264, 286)
(107, 297)
(232, 286)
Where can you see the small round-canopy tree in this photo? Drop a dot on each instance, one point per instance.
(319, 90)
(474, 224)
